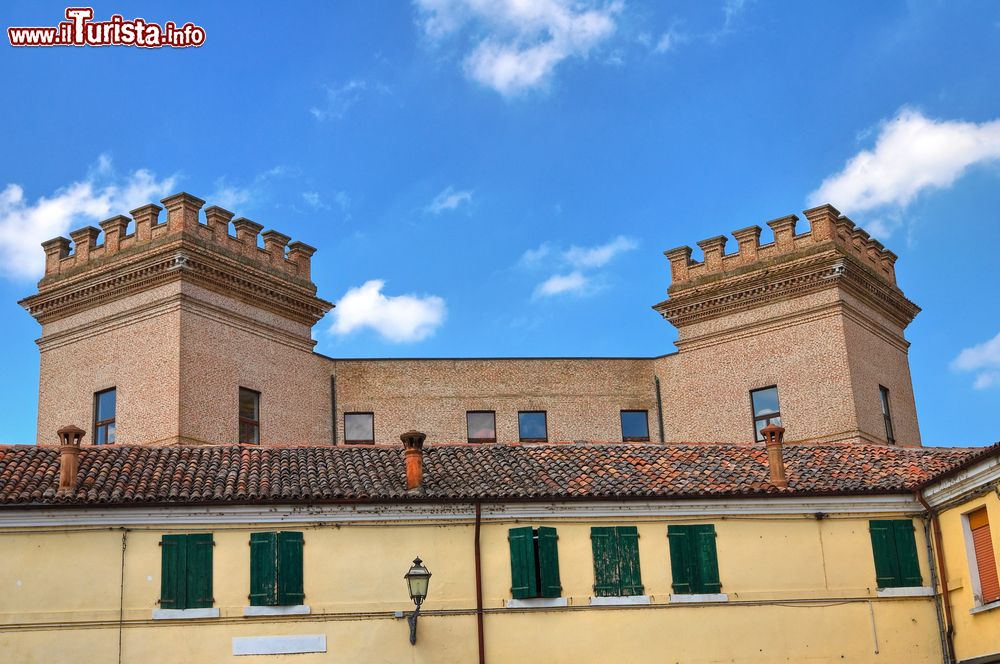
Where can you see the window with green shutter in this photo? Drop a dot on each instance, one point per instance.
(895, 550)
(616, 561)
(186, 571)
(276, 569)
(534, 562)
(694, 563)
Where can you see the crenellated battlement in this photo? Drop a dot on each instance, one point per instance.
(182, 219)
(827, 225)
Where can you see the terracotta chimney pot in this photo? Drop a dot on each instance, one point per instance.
(413, 444)
(69, 452)
(774, 436)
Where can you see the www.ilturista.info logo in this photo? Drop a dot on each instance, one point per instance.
(80, 30)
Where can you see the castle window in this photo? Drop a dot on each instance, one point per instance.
(534, 563)
(482, 426)
(249, 416)
(532, 427)
(635, 426)
(186, 571)
(766, 409)
(883, 393)
(895, 552)
(276, 569)
(359, 428)
(616, 561)
(104, 416)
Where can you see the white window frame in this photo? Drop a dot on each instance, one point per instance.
(970, 555)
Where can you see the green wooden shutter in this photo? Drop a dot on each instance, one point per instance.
(707, 562)
(173, 589)
(263, 569)
(606, 577)
(680, 559)
(884, 550)
(290, 589)
(906, 553)
(523, 581)
(628, 560)
(548, 563)
(199, 571)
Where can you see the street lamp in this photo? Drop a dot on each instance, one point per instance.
(417, 580)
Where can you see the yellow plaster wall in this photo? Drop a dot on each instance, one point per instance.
(976, 634)
(799, 589)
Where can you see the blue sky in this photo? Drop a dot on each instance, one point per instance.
(495, 179)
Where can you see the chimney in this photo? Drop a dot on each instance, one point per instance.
(413, 444)
(774, 436)
(69, 451)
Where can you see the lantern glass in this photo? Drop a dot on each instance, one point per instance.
(417, 580)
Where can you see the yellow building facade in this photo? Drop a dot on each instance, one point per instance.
(795, 587)
(801, 572)
(965, 501)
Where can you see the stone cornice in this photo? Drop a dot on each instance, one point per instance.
(775, 282)
(183, 258)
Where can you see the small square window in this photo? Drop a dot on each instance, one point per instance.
(482, 426)
(249, 416)
(359, 428)
(766, 409)
(531, 426)
(635, 426)
(104, 416)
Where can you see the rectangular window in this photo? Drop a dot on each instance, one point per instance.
(694, 564)
(883, 393)
(635, 426)
(616, 561)
(186, 571)
(534, 562)
(276, 569)
(104, 416)
(359, 428)
(985, 559)
(249, 416)
(531, 426)
(482, 426)
(766, 409)
(895, 551)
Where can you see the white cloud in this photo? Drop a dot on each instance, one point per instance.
(341, 98)
(232, 197)
(984, 359)
(519, 43)
(24, 224)
(229, 196)
(593, 257)
(532, 257)
(666, 42)
(559, 284)
(581, 263)
(313, 200)
(448, 199)
(397, 318)
(912, 154)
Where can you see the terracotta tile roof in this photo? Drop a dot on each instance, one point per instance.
(124, 475)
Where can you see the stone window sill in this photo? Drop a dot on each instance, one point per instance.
(985, 607)
(910, 591)
(537, 603)
(184, 614)
(699, 598)
(295, 610)
(627, 600)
